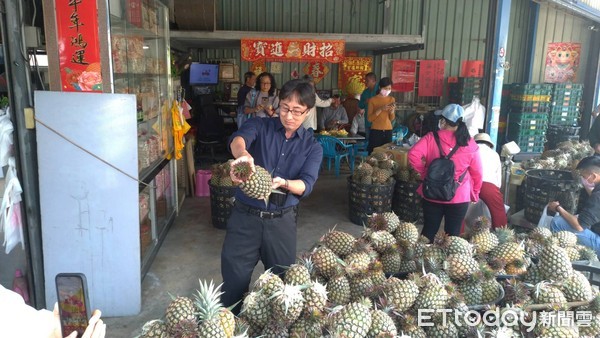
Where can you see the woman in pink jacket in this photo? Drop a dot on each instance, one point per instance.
(453, 133)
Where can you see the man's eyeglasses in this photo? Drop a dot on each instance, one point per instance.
(295, 113)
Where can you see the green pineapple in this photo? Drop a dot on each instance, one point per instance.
(507, 252)
(461, 267)
(360, 286)
(268, 283)
(432, 294)
(373, 162)
(216, 173)
(407, 234)
(411, 328)
(577, 288)
(573, 253)
(566, 239)
(381, 240)
(548, 293)
(490, 288)
(154, 329)
(382, 325)
(364, 169)
(448, 330)
(377, 274)
(592, 330)
(315, 297)
(256, 310)
(208, 306)
(392, 221)
(353, 320)
(366, 180)
(339, 242)
(558, 331)
(287, 304)
(380, 157)
(587, 254)
(307, 328)
(483, 239)
(257, 184)
(471, 291)
(453, 245)
(275, 330)
(404, 175)
(554, 263)
(391, 261)
(298, 274)
(401, 294)
(533, 275)
(179, 310)
(338, 290)
(381, 176)
(540, 234)
(505, 235)
(387, 164)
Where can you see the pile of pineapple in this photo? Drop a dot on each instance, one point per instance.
(565, 157)
(220, 174)
(378, 168)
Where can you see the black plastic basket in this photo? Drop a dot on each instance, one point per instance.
(221, 203)
(366, 199)
(406, 203)
(543, 186)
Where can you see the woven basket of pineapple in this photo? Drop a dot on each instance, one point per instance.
(366, 199)
(221, 203)
(543, 186)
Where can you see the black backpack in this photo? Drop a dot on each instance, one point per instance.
(439, 183)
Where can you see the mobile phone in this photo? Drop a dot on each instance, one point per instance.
(71, 291)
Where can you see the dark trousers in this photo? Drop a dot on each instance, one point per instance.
(492, 197)
(453, 215)
(248, 239)
(378, 138)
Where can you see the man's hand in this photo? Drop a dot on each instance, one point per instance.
(553, 205)
(279, 182)
(244, 158)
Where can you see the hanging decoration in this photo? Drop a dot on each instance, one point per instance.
(471, 68)
(276, 67)
(404, 75)
(258, 67)
(431, 77)
(293, 50)
(562, 62)
(352, 71)
(79, 46)
(294, 74)
(318, 70)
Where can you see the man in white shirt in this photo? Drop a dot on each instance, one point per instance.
(358, 124)
(492, 180)
(311, 118)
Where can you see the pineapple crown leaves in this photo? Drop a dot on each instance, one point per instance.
(482, 223)
(207, 300)
(243, 170)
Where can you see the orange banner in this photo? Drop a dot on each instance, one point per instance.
(293, 50)
(472, 68)
(352, 71)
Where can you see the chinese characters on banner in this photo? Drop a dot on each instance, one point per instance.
(78, 45)
(293, 50)
(403, 75)
(431, 77)
(351, 74)
(562, 62)
(472, 68)
(318, 70)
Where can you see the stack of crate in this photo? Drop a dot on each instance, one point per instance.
(463, 91)
(565, 104)
(528, 117)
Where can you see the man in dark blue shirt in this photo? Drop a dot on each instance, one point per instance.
(587, 224)
(292, 155)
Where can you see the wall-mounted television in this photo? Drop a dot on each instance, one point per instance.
(202, 74)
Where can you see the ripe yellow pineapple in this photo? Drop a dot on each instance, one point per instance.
(287, 304)
(338, 290)
(554, 263)
(179, 311)
(315, 297)
(400, 293)
(257, 184)
(482, 238)
(154, 329)
(256, 310)
(461, 267)
(577, 288)
(339, 242)
(353, 320)
(327, 263)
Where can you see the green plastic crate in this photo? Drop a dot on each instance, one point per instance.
(564, 121)
(564, 109)
(561, 86)
(516, 131)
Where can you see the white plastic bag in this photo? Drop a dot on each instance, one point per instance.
(476, 210)
(474, 116)
(545, 219)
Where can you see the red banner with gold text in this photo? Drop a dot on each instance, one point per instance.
(351, 74)
(293, 50)
(431, 77)
(78, 45)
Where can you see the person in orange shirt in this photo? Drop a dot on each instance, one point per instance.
(381, 114)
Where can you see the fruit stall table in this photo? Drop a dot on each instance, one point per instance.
(400, 152)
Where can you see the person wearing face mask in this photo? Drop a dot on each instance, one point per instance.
(453, 137)
(586, 225)
(381, 113)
